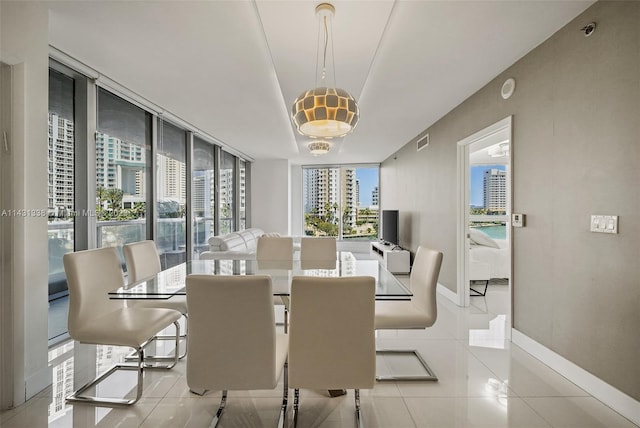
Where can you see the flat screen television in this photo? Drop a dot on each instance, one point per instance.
(390, 226)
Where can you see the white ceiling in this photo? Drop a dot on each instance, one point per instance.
(233, 68)
(479, 150)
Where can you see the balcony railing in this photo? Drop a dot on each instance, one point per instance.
(171, 243)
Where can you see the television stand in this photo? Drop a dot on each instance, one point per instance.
(394, 260)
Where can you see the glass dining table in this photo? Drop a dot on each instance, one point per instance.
(171, 282)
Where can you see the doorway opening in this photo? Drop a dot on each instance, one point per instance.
(484, 210)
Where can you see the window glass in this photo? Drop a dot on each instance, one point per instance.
(242, 200)
(122, 120)
(60, 177)
(171, 190)
(123, 147)
(341, 201)
(321, 201)
(226, 209)
(203, 178)
(361, 209)
(488, 199)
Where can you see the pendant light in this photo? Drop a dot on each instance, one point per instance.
(325, 111)
(319, 147)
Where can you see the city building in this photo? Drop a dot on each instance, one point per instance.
(331, 193)
(120, 165)
(172, 178)
(495, 190)
(60, 166)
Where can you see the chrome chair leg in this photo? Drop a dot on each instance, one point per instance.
(286, 320)
(282, 420)
(185, 337)
(173, 359)
(358, 416)
(296, 400)
(78, 397)
(285, 302)
(223, 404)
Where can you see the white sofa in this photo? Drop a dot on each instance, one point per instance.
(235, 245)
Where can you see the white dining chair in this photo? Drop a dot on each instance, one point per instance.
(274, 248)
(418, 313)
(318, 252)
(233, 344)
(276, 252)
(143, 261)
(332, 337)
(96, 319)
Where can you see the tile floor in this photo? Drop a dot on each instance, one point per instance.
(484, 381)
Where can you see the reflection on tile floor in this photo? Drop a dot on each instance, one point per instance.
(484, 381)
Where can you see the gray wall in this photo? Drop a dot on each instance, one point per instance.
(576, 152)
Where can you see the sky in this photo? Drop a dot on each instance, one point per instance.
(368, 178)
(477, 172)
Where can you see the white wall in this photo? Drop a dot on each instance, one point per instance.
(24, 36)
(270, 190)
(297, 216)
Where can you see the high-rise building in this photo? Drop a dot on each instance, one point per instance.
(495, 190)
(375, 197)
(357, 193)
(349, 200)
(60, 166)
(172, 176)
(202, 193)
(226, 186)
(330, 189)
(321, 185)
(120, 165)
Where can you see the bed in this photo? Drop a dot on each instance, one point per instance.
(493, 252)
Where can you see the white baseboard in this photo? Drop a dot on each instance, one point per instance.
(448, 293)
(609, 395)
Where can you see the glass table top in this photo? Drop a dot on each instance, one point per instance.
(171, 282)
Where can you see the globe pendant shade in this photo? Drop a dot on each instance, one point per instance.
(325, 113)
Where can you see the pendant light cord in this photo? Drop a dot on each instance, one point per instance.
(326, 43)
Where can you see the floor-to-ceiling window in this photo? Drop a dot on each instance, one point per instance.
(171, 194)
(227, 208)
(203, 180)
(123, 150)
(242, 195)
(341, 201)
(115, 167)
(60, 173)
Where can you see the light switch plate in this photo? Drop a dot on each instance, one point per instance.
(604, 223)
(517, 220)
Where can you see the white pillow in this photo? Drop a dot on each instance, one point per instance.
(478, 237)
